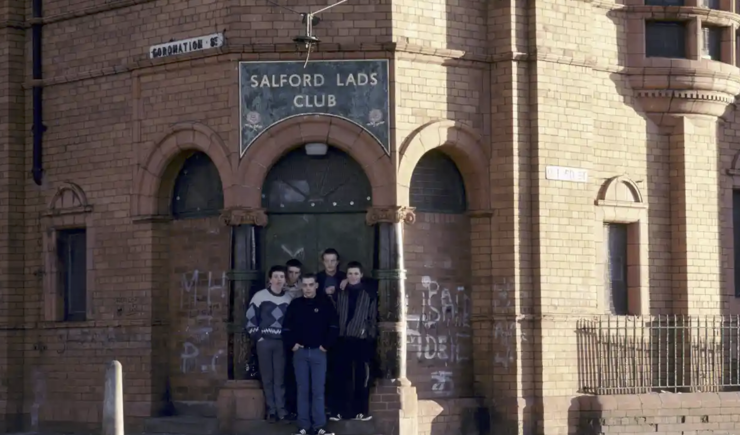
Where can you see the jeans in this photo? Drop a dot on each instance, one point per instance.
(310, 375)
(271, 354)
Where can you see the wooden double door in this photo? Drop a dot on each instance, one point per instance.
(306, 236)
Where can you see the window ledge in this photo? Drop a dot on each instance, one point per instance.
(621, 204)
(153, 218)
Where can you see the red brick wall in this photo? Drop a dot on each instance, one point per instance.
(439, 334)
(198, 303)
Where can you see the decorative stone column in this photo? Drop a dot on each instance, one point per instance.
(245, 272)
(391, 276)
(241, 400)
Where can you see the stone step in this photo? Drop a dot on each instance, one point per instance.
(261, 427)
(191, 425)
(196, 409)
(182, 424)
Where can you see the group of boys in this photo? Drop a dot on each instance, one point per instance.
(304, 324)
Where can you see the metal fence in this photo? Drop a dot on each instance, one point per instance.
(642, 354)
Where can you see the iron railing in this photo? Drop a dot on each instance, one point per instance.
(642, 354)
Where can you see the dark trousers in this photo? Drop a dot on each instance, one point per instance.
(352, 370)
(290, 383)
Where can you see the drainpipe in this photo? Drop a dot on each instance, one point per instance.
(38, 122)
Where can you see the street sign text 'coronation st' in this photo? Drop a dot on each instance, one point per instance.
(313, 81)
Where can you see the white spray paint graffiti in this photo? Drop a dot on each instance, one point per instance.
(505, 331)
(440, 335)
(443, 384)
(442, 329)
(198, 354)
(190, 286)
(297, 253)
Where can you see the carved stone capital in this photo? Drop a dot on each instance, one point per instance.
(392, 215)
(244, 216)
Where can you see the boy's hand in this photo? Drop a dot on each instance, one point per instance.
(330, 290)
(296, 347)
(343, 284)
(322, 348)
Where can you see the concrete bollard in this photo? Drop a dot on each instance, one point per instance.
(113, 400)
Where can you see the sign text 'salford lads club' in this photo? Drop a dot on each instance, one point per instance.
(354, 90)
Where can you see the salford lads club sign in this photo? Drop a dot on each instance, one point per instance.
(274, 91)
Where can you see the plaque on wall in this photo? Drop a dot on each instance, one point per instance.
(355, 90)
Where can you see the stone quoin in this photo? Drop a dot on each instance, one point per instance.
(547, 194)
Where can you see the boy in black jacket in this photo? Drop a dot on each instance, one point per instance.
(310, 329)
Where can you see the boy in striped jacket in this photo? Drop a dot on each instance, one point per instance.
(357, 305)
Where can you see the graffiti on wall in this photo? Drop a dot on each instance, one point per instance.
(441, 331)
(129, 307)
(439, 335)
(505, 330)
(203, 296)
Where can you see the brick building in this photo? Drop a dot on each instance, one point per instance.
(544, 190)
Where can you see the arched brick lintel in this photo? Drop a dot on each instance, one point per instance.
(465, 148)
(294, 132)
(156, 173)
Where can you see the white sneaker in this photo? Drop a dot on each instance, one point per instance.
(335, 417)
(363, 417)
(301, 432)
(323, 432)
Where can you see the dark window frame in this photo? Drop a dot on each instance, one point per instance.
(657, 35)
(197, 191)
(437, 185)
(303, 184)
(621, 307)
(712, 43)
(72, 269)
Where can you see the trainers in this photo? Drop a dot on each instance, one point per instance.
(301, 432)
(335, 417)
(272, 418)
(283, 420)
(322, 431)
(363, 417)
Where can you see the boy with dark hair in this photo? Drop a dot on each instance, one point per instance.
(330, 278)
(310, 330)
(265, 317)
(357, 307)
(293, 269)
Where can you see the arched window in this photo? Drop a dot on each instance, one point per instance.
(331, 183)
(198, 191)
(437, 185)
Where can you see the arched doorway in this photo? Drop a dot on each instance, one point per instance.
(438, 261)
(316, 202)
(198, 290)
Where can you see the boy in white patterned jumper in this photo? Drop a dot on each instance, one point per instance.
(265, 317)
